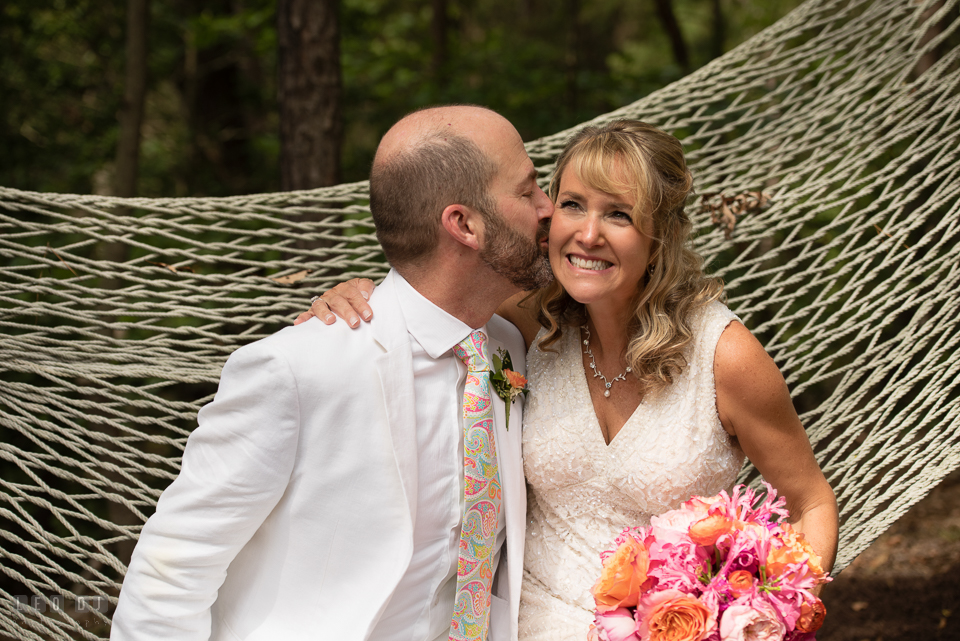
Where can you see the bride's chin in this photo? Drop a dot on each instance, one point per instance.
(579, 295)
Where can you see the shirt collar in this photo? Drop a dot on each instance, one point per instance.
(437, 331)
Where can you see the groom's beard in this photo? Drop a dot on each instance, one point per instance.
(515, 257)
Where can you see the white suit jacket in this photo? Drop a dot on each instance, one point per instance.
(292, 517)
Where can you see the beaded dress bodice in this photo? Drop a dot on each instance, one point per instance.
(583, 492)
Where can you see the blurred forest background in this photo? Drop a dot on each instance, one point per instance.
(247, 96)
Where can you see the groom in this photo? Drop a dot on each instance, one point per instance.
(323, 495)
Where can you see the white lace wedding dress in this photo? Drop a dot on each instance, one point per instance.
(582, 492)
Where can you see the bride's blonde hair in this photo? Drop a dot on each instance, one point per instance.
(657, 177)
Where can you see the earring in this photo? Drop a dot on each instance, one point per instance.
(651, 268)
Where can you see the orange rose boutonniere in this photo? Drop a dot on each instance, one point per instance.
(507, 383)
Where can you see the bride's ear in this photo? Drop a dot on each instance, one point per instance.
(464, 225)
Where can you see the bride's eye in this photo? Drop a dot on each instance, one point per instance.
(569, 204)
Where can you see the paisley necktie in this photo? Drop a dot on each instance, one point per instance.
(482, 495)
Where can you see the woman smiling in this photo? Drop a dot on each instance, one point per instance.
(645, 389)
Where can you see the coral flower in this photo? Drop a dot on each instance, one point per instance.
(706, 531)
(515, 379)
(671, 615)
(623, 573)
(741, 582)
(811, 616)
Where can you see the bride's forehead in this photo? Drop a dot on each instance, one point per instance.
(612, 179)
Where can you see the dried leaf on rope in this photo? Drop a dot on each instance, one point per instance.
(884, 233)
(291, 278)
(724, 213)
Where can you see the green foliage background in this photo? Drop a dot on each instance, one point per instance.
(211, 126)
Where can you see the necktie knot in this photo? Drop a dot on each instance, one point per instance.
(473, 352)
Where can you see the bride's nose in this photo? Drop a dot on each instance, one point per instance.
(589, 233)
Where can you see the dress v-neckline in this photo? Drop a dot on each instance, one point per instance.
(584, 388)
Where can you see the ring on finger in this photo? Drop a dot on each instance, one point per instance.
(318, 298)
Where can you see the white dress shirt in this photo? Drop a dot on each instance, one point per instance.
(422, 604)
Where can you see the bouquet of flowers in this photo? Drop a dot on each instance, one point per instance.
(725, 568)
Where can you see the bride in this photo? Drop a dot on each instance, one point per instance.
(645, 389)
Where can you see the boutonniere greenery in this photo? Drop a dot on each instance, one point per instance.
(507, 383)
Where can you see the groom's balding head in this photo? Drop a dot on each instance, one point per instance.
(427, 161)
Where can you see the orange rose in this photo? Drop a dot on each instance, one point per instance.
(623, 573)
(741, 582)
(706, 531)
(671, 615)
(811, 616)
(515, 378)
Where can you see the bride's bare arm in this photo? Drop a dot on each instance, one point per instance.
(754, 405)
(348, 300)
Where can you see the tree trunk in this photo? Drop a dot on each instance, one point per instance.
(309, 93)
(572, 90)
(668, 19)
(438, 28)
(719, 31)
(935, 29)
(134, 92)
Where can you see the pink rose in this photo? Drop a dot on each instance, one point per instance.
(616, 625)
(593, 634)
(703, 504)
(742, 622)
(674, 526)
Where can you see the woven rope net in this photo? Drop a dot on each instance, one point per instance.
(117, 315)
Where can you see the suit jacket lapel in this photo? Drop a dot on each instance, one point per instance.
(509, 455)
(395, 368)
(508, 451)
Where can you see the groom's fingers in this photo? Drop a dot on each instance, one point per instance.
(349, 300)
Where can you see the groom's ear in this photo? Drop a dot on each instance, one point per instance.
(464, 225)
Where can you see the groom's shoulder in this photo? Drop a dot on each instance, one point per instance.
(312, 343)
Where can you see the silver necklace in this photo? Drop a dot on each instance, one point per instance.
(596, 370)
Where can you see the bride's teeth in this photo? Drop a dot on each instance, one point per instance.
(594, 265)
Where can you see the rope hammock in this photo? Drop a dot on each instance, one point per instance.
(118, 314)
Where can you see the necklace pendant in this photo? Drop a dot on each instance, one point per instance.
(596, 370)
